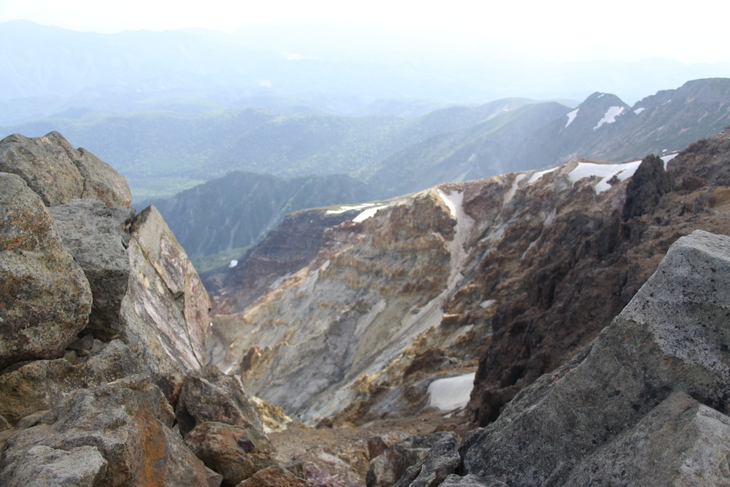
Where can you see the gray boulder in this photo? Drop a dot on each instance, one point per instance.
(441, 461)
(40, 384)
(127, 421)
(45, 298)
(680, 442)
(472, 481)
(49, 467)
(97, 237)
(234, 452)
(59, 173)
(587, 419)
(403, 460)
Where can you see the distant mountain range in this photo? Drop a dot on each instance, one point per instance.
(497, 138)
(301, 68)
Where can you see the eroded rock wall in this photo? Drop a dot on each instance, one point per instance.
(529, 269)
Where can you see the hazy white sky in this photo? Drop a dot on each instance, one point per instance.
(560, 30)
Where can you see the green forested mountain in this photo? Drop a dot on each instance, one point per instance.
(235, 211)
(163, 152)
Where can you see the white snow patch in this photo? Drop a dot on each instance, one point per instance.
(233, 264)
(368, 213)
(348, 208)
(452, 393)
(571, 117)
(508, 196)
(488, 303)
(668, 158)
(610, 116)
(639, 110)
(605, 171)
(600, 96)
(472, 157)
(537, 175)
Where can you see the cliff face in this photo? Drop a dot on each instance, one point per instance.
(644, 404)
(521, 270)
(103, 327)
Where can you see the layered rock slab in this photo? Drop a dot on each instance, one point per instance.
(165, 309)
(58, 172)
(584, 420)
(45, 299)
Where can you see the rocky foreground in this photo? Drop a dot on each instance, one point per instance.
(603, 282)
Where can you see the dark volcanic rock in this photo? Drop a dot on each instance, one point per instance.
(581, 270)
(597, 409)
(59, 173)
(648, 184)
(44, 296)
(97, 236)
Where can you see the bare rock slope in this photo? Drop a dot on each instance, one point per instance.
(509, 276)
(644, 404)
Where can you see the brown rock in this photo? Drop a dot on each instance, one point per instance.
(59, 173)
(208, 395)
(235, 453)
(45, 298)
(128, 422)
(274, 476)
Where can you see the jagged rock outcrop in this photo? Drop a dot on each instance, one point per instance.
(58, 173)
(45, 298)
(644, 404)
(648, 184)
(165, 309)
(96, 408)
